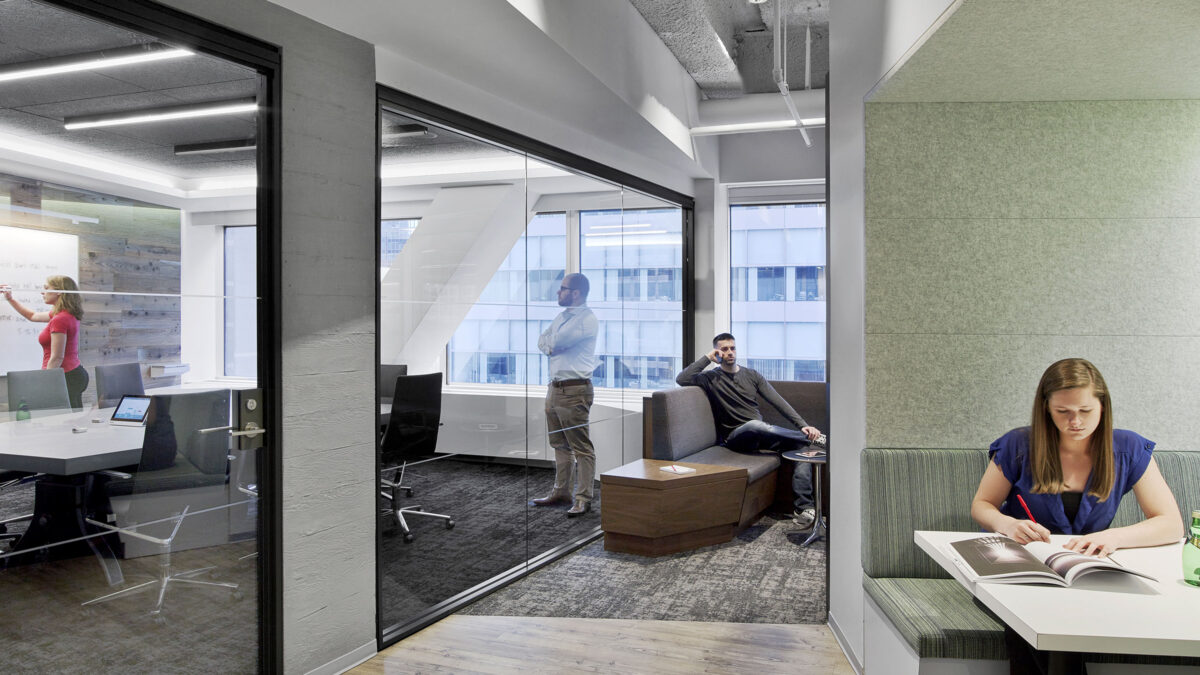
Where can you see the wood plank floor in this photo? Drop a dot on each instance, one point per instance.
(506, 644)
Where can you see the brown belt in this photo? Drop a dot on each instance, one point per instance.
(570, 383)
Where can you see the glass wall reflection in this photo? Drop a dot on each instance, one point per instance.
(546, 304)
(128, 540)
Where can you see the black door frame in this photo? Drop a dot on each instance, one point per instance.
(180, 28)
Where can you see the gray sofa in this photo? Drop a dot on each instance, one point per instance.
(925, 489)
(683, 429)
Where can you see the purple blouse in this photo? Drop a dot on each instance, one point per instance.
(1010, 452)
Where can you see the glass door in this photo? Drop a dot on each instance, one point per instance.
(132, 454)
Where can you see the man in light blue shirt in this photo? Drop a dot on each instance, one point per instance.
(570, 342)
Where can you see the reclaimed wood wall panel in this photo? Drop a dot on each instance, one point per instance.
(131, 252)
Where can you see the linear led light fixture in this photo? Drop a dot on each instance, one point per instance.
(748, 127)
(409, 131)
(109, 58)
(175, 112)
(216, 147)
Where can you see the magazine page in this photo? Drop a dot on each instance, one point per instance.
(1071, 565)
(998, 558)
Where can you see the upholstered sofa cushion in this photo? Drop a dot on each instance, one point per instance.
(938, 618)
(682, 423)
(758, 465)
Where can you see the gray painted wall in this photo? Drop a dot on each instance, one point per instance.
(328, 330)
(772, 155)
(1001, 237)
(870, 36)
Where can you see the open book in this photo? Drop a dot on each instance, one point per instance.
(1002, 560)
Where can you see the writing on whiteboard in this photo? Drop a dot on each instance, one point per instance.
(27, 257)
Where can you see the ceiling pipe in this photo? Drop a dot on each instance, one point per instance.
(781, 77)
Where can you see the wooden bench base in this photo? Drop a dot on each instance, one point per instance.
(648, 511)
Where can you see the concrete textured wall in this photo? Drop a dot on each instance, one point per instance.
(1001, 237)
(328, 131)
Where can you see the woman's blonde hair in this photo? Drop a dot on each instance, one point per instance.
(71, 303)
(1043, 441)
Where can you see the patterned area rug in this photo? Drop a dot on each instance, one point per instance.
(762, 576)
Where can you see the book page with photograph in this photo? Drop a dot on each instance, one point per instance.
(1001, 560)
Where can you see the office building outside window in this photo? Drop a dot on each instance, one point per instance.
(634, 261)
(777, 288)
(497, 342)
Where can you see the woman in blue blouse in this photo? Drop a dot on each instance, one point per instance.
(1072, 468)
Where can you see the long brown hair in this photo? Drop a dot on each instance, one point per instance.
(71, 303)
(1043, 441)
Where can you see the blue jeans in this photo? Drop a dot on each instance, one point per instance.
(757, 435)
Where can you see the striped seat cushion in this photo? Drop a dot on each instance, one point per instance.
(938, 618)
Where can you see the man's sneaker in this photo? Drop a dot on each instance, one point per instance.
(804, 518)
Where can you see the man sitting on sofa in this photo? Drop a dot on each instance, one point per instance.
(735, 393)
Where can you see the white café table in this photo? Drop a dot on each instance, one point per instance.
(1108, 613)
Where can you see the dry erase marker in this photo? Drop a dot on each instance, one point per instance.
(1026, 507)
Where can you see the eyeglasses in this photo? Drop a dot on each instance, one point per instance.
(564, 288)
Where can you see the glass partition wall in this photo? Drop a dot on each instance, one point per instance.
(491, 260)
(130, 523)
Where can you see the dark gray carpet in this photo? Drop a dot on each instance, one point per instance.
(494, 531)
(47, 631)
(762, 576)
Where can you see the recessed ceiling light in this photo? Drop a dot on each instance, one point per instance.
(109, 58)
(176, 112)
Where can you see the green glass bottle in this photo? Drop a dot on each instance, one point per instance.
(22, 411)
(1191, 551)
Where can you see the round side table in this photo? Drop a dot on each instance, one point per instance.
(817, 459)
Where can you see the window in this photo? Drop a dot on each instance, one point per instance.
(810, 283)
(497, 342)
(777, 288)
(393, 235)
(770, 284)
(634, 259)
(241, 304)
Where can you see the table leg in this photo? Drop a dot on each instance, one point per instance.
(819, 526)
(58, 531)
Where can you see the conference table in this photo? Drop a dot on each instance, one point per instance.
(69, 447)
(1103, 613)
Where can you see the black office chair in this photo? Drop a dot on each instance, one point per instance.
(411, 434)
(185, 458)
(388, 373)
(117, 380)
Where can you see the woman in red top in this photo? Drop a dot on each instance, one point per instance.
(60, 338)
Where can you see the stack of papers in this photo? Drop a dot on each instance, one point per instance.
(676, 468)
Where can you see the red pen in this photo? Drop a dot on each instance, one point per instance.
(1026, 507)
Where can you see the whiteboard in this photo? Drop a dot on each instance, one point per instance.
(27, 257)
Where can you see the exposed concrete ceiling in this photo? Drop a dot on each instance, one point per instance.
(1033, 50)
(728, 45)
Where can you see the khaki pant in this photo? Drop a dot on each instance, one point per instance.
(567, 410)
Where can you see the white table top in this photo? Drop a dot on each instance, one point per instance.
(1111, 613)
(47, 444)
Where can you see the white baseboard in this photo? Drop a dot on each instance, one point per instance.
(346, 661)
(844, 644)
